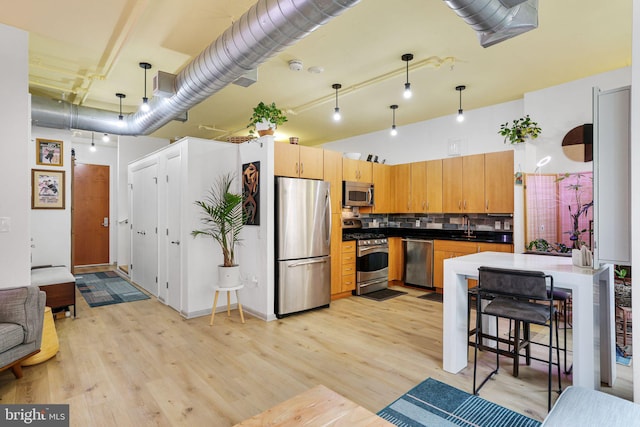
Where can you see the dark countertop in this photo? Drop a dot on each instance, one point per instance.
(437, 234)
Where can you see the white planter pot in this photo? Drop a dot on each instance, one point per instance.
(228, 277)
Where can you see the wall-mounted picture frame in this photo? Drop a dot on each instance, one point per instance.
(47, 189)
(49, 152)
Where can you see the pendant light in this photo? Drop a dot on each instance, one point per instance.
(120, 116)
(105, 138)
(407, 86)
(336, 111)
(93, 144)
(145, 101)
(394, 131)
(460, 117)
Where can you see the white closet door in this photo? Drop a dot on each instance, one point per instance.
(612, 175)
(173, 262)
(144, 226)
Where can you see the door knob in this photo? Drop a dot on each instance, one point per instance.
(175, 242)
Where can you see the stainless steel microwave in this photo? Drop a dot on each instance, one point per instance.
(357, 193)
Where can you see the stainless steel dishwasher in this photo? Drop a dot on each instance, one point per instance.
(418, 262)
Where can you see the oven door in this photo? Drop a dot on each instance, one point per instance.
(372, 263)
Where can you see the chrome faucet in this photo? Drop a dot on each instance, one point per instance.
(467, 223)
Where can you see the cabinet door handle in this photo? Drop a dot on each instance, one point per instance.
(297, 169)
(465, 205)
(301, 168)
(459, 205)
(487, 205)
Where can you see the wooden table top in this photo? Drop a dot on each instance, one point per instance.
(318, 406)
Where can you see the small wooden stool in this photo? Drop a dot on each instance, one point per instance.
(228, 291)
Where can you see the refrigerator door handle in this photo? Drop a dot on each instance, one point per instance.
(327, 215)
(316, 261)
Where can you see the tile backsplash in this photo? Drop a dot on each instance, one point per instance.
(479, 222)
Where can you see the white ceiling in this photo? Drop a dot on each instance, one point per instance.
(84, 51)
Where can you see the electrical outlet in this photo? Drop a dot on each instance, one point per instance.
(507, 225)
(417, 223)
(497, 225)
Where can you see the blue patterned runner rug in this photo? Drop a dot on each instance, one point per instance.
(432, 403)
(107, 288)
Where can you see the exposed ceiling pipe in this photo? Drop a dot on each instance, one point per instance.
(267, 28)
(497, 20)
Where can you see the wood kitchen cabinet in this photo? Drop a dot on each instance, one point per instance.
(443, 249)
(498, 182)
(356, 170)
(402, 186)
(298, 161)
(396, 258)
(426, 186)
(384, 194)
(336, 253)
(463, 184)
(348, 270)
(333, 174)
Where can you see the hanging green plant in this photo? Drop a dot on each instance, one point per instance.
(267, 114)
(520, 130)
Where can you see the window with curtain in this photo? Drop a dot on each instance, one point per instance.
(558, 211)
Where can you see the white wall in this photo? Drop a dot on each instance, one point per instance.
(15, 203)
(256, 254)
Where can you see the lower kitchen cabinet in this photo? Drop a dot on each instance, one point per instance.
(443, 249)
(396, 258)
(336, 253)
(348, 282)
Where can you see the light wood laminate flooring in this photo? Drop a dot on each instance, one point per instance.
(142, 364)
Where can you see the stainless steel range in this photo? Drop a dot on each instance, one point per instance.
(372, 258)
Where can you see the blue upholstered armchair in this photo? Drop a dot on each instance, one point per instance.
(21, 319)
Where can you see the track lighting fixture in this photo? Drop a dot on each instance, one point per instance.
(407, 86)
(93, 144)
(336, 111)
(120, 116)
(394, 131)
(145, 101)
(460, 117)
(105, 138)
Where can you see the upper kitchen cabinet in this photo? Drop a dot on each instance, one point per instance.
(333, 174)
(298, 161)
(384, 195)
(357, 170)
(463, 184)
(498, 182)
(402, 186)
(426, 186)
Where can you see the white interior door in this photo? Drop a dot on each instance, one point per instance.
(173, 262)
(144, 226)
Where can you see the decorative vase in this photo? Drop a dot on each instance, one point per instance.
(228, 277)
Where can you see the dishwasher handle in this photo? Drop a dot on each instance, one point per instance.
(417, 240)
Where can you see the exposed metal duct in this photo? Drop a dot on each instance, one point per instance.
(497, 20)
(267, 28)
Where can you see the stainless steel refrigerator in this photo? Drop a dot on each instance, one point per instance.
(303, 243)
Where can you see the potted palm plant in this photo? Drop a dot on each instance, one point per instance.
(520, 130)
(223, 219)
(265, 119)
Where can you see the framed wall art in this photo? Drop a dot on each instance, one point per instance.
(49, 152)
(47, 189)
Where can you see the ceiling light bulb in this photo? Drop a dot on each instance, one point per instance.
(105, 138)
(460, 117)
(336, 114)
(407, 90)
(145, 104)
(394, 131)
(93, 147)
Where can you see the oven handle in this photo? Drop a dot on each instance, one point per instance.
(376, 247)
(316, 261)
(372, 282)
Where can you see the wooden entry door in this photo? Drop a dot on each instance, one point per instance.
(90, 214)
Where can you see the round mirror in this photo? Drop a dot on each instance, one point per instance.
(577, 145)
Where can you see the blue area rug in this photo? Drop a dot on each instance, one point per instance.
(435, 404)
(107, 288)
